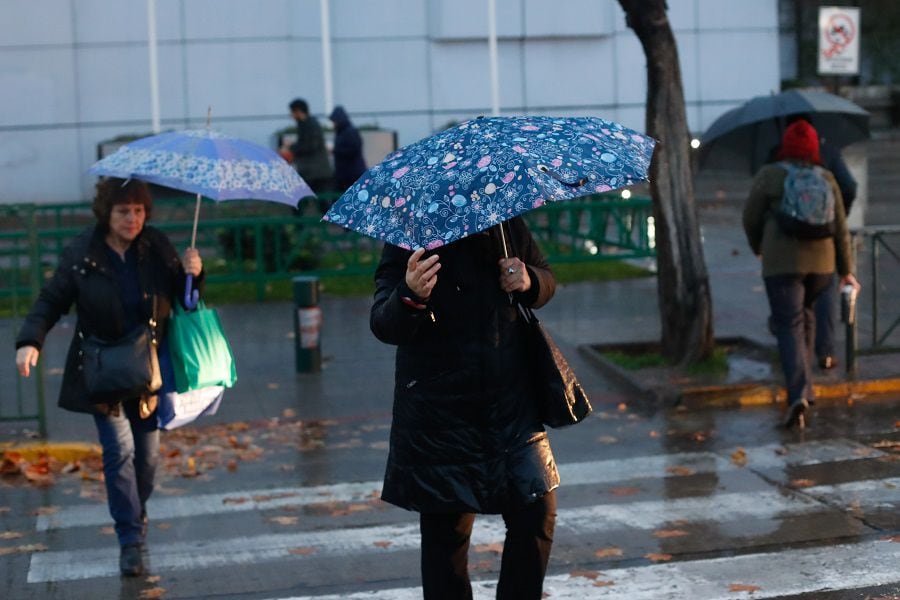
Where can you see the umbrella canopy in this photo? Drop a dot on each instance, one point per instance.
(209, 163)
(744, 138)
(487, 170)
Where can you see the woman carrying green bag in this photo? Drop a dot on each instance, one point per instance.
(201, 356)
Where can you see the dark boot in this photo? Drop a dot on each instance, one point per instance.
(131, 563)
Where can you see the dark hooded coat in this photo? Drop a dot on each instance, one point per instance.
(466, 433)
(349, 163)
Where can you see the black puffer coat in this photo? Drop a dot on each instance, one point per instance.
(466, 434)
(84, 278)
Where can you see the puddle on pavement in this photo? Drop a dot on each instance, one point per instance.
(742, 368)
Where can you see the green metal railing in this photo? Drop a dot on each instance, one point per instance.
(882, 243)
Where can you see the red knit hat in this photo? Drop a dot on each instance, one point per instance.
(800, 141)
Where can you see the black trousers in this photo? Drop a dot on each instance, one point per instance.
(526, 551)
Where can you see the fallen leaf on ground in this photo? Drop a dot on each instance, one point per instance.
(607, 552)
(658, 556)
(802, 483)
(232, 465)
(164, 526)
(607, 439)
(288, 413)
(742, 587)
(496, 548)
(379, 445)
(284, 520)
(893, 538)
(622, 407)
(153, 578)
(4, 509)
(654, 434)
(156, 592)
(107, 531)
(669, 533)
(699, 437)
(384, 544)
(585, 574)
(680, 471)
(624, 491)
(302, 551)
(11, 535)
(45, 510)
(739, 457)
(27, 548)
(603, 583)
(483, 565)
(896, 424)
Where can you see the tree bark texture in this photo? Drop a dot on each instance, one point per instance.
(682, 281)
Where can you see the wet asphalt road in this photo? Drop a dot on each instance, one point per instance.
(654, 504)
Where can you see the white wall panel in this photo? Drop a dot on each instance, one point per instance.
(738, 14)
(569, 18)
(688, 59)
(460, 76)
(384, 18)
(683, 14)
(37, 87)
(224, 19)
(247, 78)
(29, 158)
(304, 17)
(114, 83)
(738, 65)
(104, 21)
(35, 22)
(569, 72)
(630, 75)
(381, 74)
(461, 19)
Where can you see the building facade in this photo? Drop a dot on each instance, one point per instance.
(75, 73)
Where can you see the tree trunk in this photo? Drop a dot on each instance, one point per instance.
(682, 281)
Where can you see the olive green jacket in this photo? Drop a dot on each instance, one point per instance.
(781, 253)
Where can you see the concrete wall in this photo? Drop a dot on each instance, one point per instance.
(74, 72)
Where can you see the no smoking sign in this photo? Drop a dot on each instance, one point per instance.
(838, 40)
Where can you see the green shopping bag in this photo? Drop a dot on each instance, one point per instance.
(200, 353)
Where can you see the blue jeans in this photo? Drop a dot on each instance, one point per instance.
(825, 318)
(791, 299)
(130, 454)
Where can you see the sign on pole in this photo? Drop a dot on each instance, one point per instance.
(838, 40)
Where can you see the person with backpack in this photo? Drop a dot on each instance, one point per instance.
(795, 221)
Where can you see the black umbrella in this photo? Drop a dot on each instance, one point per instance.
(743, 139)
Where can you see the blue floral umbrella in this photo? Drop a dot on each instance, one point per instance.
(207, 163)
(488, 170)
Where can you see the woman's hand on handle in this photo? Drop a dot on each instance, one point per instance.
(191, 262)
(514, 276)
(421, 275)
(26, 357)
(850, 279)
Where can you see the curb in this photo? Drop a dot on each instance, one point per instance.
(63, 451)
(737, 394)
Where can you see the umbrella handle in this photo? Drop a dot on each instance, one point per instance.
(191, 296)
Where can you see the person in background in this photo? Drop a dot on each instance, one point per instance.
(349, 163)
(825, 307)
(308, 153)
(466, 434)
(796, 271)
(118, 274)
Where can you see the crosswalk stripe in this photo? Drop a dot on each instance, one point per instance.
(776, 574)
(207, 553)
(582, 473)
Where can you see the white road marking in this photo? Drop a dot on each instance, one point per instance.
(582, 473)
(768, 505)
(776, 574)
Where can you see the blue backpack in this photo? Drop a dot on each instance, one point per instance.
(807, 206)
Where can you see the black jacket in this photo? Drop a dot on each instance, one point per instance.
(466, 434)
(84, 278)
(310, 154)
(349, 163)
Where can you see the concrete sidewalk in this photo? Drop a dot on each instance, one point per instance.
(358, 370)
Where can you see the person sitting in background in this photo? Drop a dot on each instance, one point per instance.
(349, 163)
(796, 270)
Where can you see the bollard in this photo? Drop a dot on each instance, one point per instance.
(307, 324)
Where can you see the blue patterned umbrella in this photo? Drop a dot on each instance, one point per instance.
(208, 163)
(485, 171)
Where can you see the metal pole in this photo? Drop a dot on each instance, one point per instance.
(154, 71)
(326, 56)
(307, 324)
(492, 51)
